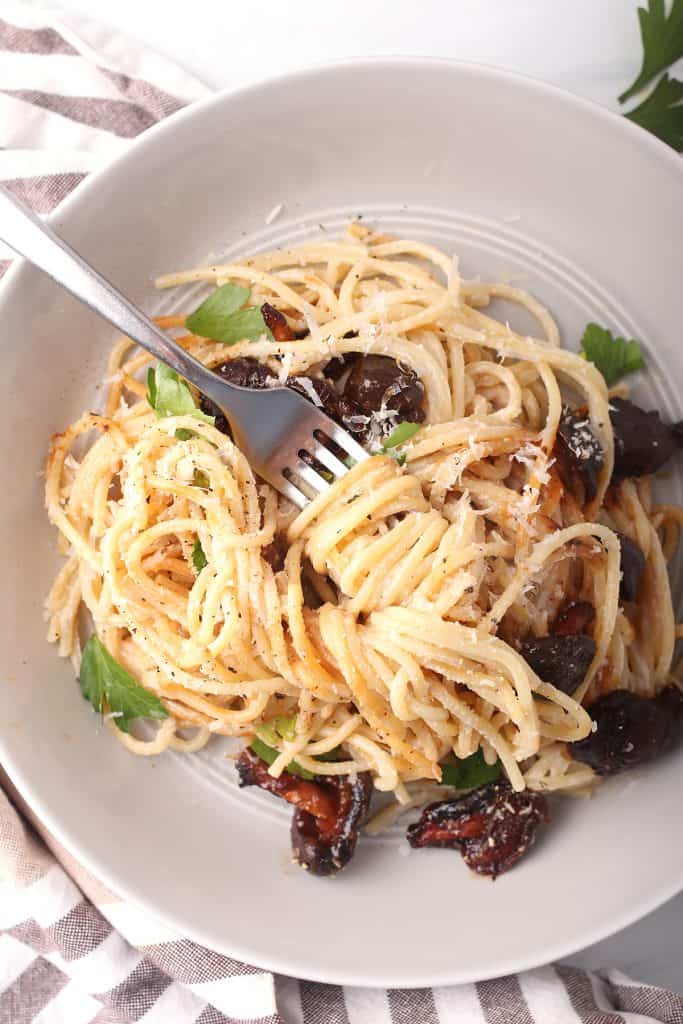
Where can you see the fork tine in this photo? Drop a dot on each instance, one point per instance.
(312, 478)
(345, 441)
(289, 442)
(292, 492)
(328, 459)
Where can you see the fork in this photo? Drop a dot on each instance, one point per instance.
(283, 435)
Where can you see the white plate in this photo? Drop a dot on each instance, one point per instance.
(518, 178)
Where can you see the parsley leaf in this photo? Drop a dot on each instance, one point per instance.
(332, 755)
(662, 37)
(199, 559)
(269, 754)
(402, 433)
(222, 318)
(469, 772)
(278, 728)
(268, 736)
(201, 479)
(170, 396)
(105, 682)
(614, 357)
(662, 112)
(224, 301)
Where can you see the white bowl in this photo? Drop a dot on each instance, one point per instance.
(518, 178)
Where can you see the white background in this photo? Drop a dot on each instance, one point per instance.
(591, 47)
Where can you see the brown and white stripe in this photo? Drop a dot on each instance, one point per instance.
(71, 952)
(71, 96)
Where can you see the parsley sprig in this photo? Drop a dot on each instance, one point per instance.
(199, 559)
(170, 396)
(107, 685)
(402, 433)
(661, 112)
(469, 772)
(662, 37)
(269, 735)
(223, 318)
(614, 357)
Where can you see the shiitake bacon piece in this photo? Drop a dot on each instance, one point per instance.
(631, 730)
(329, 810)
(492, 826)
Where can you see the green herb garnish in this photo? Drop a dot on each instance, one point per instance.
(105, 683)
(332, 755)
(278, 728)
(269, 754)
(199, 559)
(662, 38)
(402, 433)
(222, 318)
(170, 396)
(201, 479)
(269, 735)
(399, 435)
(469, 772)
(662, 112)
(614, 357)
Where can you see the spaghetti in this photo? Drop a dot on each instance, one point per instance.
(391, 634)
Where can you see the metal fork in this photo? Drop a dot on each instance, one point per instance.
(282, 434)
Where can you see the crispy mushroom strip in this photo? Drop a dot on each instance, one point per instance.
(276, 322)
(632, 568)
(560, 660)
(492, 826)
(329, 811)
(631, 730)
(379, 382)
(574, 618)
(642, 442)
(579, 455)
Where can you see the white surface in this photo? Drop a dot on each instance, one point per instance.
(589, 47)
(237, 157)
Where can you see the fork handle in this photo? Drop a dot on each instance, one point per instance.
(31, 238)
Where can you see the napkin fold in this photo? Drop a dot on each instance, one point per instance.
(72, 93)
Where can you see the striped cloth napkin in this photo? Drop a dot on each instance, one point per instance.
(72, 952)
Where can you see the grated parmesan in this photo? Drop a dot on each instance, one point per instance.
(312, 323)
(185, 468)
(380, 424)
(454, 279)
(274, 213)
(285, 367)
(307, 384)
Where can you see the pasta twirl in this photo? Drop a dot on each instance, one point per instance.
(427, 574)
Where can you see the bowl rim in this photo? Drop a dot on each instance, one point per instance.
(13, 279)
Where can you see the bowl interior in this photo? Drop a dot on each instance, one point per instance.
(525, 184)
